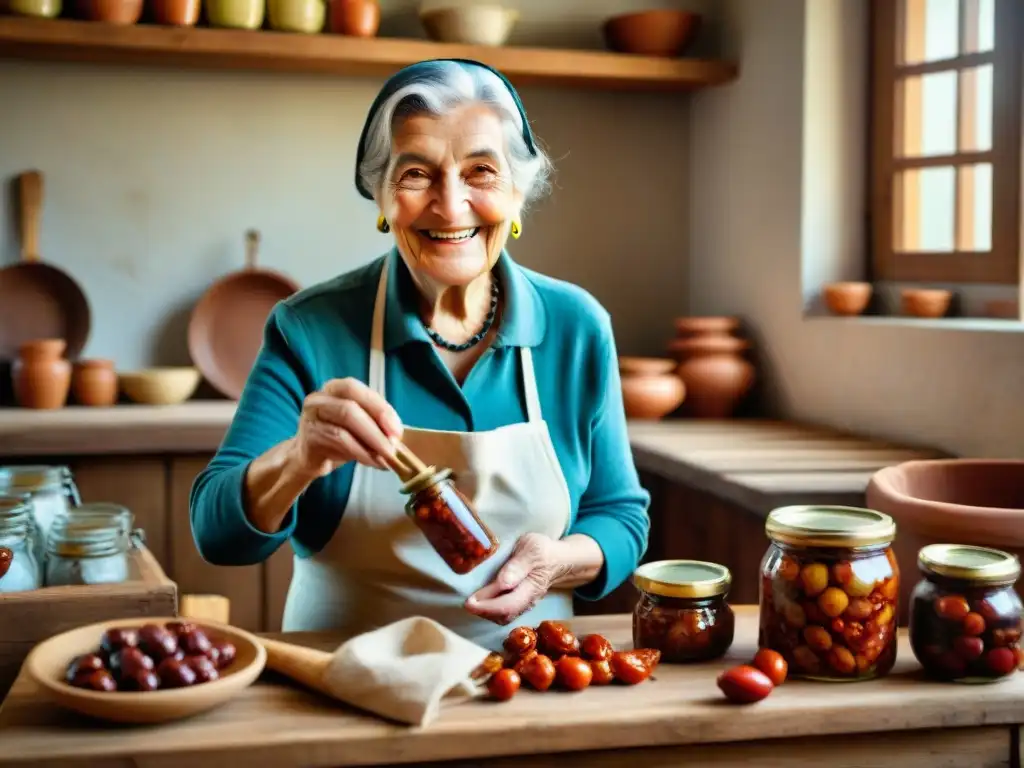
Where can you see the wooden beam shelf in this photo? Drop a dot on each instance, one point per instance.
(205, 48)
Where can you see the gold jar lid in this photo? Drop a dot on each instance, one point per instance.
(829, 526)
(977, 564)
(683, 578)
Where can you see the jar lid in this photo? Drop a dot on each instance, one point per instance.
(14, 504)
(683, 578)
(829, 526)
(977, 564)
(32, 477)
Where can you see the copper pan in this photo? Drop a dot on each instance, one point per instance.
(37, 300)
(225, 331)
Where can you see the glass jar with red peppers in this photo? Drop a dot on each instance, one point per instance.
(829, 592)
(965, 615)
(682, 610)
(448, 520)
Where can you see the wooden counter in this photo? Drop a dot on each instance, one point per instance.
(678, 718)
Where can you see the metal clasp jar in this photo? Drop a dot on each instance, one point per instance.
(86, 552)
(22, 572)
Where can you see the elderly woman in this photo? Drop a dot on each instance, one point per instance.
(505, 376)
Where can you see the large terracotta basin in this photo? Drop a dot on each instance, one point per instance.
(958, 501)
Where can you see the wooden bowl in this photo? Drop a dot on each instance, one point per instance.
(160, 386)
(47, 662)
(473, 25)
(925, 302)
(646, 366)
(847, 299)
(664, 33)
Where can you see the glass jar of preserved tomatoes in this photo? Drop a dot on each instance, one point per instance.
(829, 591)
(448, 520)
(965, 615)
(682, 610)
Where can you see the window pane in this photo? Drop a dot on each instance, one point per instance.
(928, 114)
(925, 202)
(931, 30)
(974, 219)
(976, 109)
(979, 26)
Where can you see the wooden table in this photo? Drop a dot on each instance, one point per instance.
(678, 718)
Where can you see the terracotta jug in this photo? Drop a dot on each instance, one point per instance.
(716, 375)
(356, 18)
(94, 382)
(41, 376)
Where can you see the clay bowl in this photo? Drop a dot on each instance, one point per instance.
(646, 366)
(474, 25)
(847, 299)
(664, 33)
(652, 397)
(42, 349)
(925, 302)
(47, 662)
(160, 386)
(690, 326)
(962, 501)
(684, 348)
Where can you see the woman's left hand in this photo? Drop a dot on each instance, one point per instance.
(537, 564)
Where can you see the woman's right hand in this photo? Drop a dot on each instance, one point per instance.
(344, 421)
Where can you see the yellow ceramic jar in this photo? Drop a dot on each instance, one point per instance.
(47, 9)
(305, 16)
(235, 14)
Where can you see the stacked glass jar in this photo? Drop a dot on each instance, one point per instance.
(19, 567)
(89, 544)
(52, 493)
(829, 592)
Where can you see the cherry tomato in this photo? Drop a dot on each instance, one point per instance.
(520, 640)
(489, 666)
(602, 672)
(952, 607)
(503, 684)
(1002, 661)
(772, 664)
(538, 671)
(974, 624)
(744, 684)
(573, 673)
(555, 640)
(596, 647)
(630, 667)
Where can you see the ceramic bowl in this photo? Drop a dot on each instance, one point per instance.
(474, 24)
(925, 302)
(663, 33)
(160, 386)
(652, 397)
(847, 299)
(47, 662)
(645, 366)
(690, 326)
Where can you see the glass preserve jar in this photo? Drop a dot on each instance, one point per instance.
(52, 490)
(682, 610)
(448, 520)
(19, 567)
(829, 592)
(16, 511)
(105, 513)
(965, 615)
(80, 553)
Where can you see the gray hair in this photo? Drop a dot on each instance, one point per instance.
(446, 85)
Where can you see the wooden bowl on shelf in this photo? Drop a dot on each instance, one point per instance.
(47, 663)
(847, 299)
(160, 386)
(487, 24)
(663, 33)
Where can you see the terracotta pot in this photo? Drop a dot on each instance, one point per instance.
(652, 396)
(950, 501)
(926, 302)
(689, 326)
(94, 382)
(716, 375)
(631, 366)
(123, 12)
(175, 13)
(847, 299)
(356, 18)
(40, 376)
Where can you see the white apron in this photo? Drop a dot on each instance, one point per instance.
(378, 567)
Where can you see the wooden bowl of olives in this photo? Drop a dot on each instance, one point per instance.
(146, 670)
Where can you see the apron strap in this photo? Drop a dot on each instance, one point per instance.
(377, 357)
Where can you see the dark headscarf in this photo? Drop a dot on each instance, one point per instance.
(429, 71)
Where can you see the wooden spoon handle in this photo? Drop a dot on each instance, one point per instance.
(301, 664)
(30, 190)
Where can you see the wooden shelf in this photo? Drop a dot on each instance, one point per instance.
(203, 48)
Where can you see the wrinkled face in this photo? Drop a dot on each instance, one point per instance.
(450, 199)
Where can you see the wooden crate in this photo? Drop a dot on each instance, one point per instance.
(26, 618)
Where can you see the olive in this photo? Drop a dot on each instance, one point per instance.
(179, 627)
(115, 639)
(143, 680)
(194, 642)
(157, 642)
(204, 668)
(175, 674)
(222, 653)
(83, 665)
(129, 661)
(100, 680)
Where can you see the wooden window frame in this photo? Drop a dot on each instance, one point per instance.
(1003, 263)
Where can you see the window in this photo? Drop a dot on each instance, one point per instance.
(945, 192)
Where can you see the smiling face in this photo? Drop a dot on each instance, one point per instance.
(449, 199)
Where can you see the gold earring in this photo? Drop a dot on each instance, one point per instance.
(382, 224)
(517, 229)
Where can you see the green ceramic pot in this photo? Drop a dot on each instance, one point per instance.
(306, 16)
(48, 9)
(235, 14)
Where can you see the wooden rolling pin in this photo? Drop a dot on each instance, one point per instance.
(305, 666)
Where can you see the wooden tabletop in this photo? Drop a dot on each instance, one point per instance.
(277, 724)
